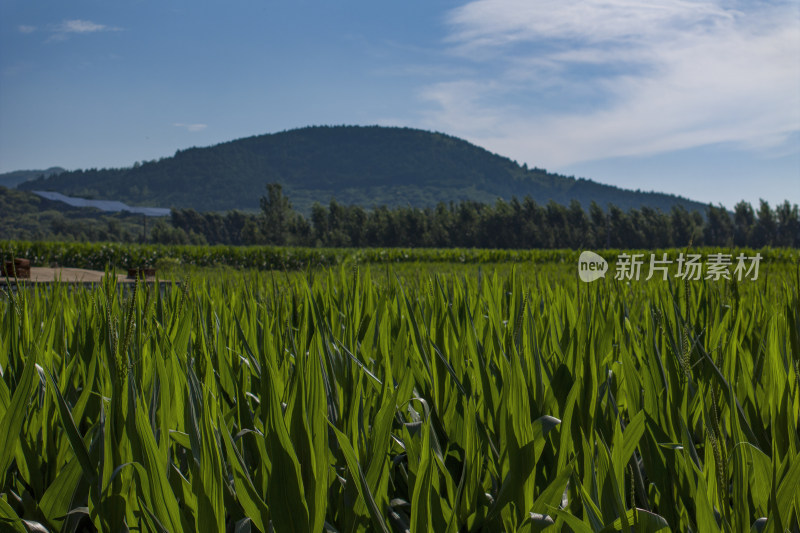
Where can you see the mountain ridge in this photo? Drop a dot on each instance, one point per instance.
(365, 165)
(15, 177)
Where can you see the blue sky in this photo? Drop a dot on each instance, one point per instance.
(694, 97)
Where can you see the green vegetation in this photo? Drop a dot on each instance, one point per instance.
(23, 215)
(367, 166)
(12, 179)
(386, 399)
(508, 225)
(515, 224)
(102, 255)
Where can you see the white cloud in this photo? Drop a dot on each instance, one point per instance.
(499, 22)
(61, 31)
(190, 127)
(23, 28)
(82, 26)
(578, 80)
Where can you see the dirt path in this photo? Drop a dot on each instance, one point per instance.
(69, 275)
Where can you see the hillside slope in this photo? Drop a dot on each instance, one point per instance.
(369, 166)
(26, 216)
(12, 179)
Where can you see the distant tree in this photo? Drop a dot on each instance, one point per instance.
(599, 220)
(634, 235)
(743, 223)
(189, 220)
(656, 228)
(496, 223)
(765, 230)
(355, 219)
(788, 224)
(113, 227)
(250, 233)
(300, 232)
(718, 230)
(319, 223)
(381, 229)
(467, 216)
(697, 228)
(556, 218)
(215, 230)
(165, 233)
(412, 226)
(532, 224)
(686, 229)
(234, 224)
(579, 228)
(276, 215)
(337, 223)
(441, 225)
(626, 228)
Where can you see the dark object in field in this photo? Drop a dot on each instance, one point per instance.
(144, 272)
(17, 268)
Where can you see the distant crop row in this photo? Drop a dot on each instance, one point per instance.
(338, 402)
(102, 255)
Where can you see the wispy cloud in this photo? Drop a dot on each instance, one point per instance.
(190, 127)
(83, 26)
(577, 80)
(66, 28)
(23, 28)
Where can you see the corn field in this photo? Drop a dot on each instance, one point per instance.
(350, 399)
(100, 255)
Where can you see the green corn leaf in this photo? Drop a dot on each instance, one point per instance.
(153, 484)
(787, 491)
(9, 519)
(357, 477)
(254, 506)
(523, 460)
(66, 491)
(624, 444)
(75, 440)
(641, 520)
(421, 515)
(16, 413)
(550, 497)
(285, 494)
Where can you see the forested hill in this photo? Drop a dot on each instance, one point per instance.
(368, 166)
(12, 179)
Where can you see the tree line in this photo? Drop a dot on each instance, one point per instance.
(25, 216)
(504, 224)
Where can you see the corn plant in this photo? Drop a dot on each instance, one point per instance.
(349, 399)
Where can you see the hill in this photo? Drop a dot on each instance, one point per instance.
(12, 179)
(26, 216)
(368, 166)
